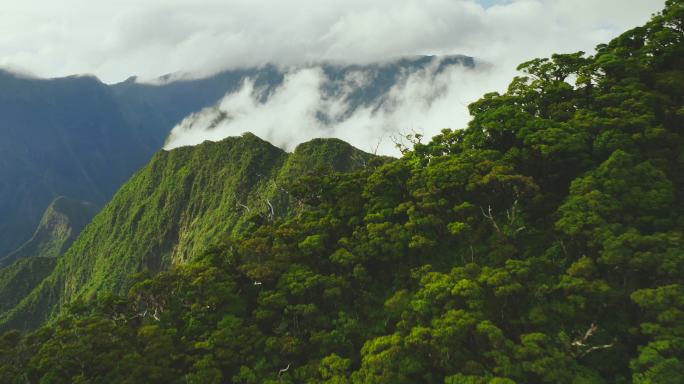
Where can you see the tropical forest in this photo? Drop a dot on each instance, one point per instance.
(542, 243)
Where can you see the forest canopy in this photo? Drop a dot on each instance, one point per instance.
(544, 243)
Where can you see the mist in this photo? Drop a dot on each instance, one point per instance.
(423, 101)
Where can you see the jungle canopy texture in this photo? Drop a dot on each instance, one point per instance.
(544, 243)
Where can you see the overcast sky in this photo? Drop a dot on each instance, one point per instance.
(148, 38)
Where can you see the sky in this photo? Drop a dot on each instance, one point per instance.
(148, 38)
(114, 40)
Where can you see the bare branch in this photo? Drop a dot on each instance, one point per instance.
(280, 372)
(581, 343)
(490, 216)
(510, 213)
(596, 348)
(239, 204)
(272, 214)
(377, 146)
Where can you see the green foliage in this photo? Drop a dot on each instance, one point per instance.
(176, 207)
(542, 244)
(20, 278)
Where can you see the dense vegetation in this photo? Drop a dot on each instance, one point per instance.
(542, 244)
(170, 211)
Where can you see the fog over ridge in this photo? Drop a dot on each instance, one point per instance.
(352, 103)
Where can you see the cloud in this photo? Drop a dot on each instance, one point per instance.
(423, 100)
(116, 39)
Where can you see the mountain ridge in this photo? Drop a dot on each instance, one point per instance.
(175, 207)
(541, 244)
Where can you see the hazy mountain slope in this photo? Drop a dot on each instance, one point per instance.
(175, 207)
(379, 79)
(59, 137)
(22, 270)
(62, 221)
(155, 108)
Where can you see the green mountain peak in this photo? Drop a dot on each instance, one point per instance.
(178, 205)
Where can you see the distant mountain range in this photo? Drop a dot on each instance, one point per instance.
(81, 138)
(23, 269)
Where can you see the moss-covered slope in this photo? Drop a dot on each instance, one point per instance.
(21, 277)
(174, 208)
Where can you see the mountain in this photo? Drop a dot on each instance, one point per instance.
(22, 270)
(58, 137)
(80, 138)
(540, 244)
(61, 223)
(177, 206)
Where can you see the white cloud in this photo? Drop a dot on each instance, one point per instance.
(115, 39)
(424, 101)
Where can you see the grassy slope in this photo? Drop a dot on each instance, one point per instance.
(20, 278)
(172, 209)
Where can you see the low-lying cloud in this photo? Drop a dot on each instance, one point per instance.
(114, 40)
(423, 101)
